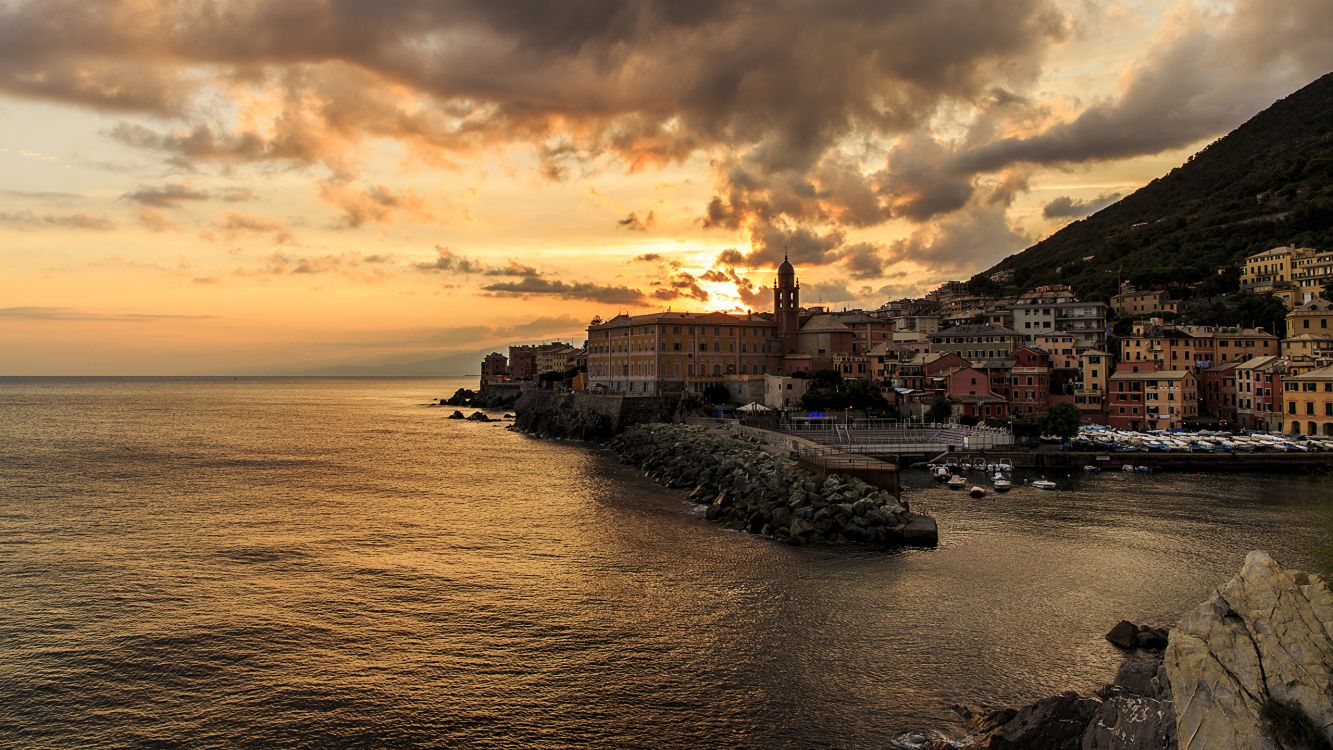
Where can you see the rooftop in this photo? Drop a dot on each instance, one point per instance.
(1158, 375)
(1322, 373)
(982, 329)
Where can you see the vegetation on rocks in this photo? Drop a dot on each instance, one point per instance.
(749, 488)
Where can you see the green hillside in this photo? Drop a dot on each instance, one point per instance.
(1267, 183)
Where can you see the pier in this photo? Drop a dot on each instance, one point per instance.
(880, 471)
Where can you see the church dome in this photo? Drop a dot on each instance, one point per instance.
(786, 268)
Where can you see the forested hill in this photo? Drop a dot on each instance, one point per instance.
(1267, 183)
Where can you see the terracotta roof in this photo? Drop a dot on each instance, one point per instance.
(822, 323)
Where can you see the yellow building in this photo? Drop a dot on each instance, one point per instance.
(1307, 402)
(1174, 347)
(1308, 347)
(1132, 301)
(1094, 368)
(1272, 269)
(1314, 317)
(1310, 273)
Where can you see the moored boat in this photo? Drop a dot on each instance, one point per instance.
(955, 482)
(1044, 484)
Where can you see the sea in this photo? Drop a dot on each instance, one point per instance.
(318, 563)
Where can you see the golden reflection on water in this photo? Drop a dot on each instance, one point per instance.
(330, 562)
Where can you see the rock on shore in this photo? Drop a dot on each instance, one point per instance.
(486, 398)
(748, 488)
(1265, 634)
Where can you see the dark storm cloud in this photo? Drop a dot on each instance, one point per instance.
(537, 287)
(777, 93)
(864, 260)
(648, 80)
(1191, 84)
(1073, 208)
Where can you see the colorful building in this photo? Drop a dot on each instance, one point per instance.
(1308, 403)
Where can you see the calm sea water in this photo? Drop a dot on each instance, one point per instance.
(319, 563)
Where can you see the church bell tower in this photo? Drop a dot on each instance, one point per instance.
(787, 304)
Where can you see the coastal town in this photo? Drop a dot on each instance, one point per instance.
(1141, 359)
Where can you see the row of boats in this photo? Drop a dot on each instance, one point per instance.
(951, 475)
(1111, 440)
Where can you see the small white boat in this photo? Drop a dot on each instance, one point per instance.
(1044, 484)
(956, 482)
(940, 473)
(977, 491)
(1002, 484)
(1090, 469)
(1127, 468)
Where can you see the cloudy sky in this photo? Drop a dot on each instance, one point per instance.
(234, 186)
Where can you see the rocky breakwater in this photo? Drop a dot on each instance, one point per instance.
(1250, 668)
(749, 488)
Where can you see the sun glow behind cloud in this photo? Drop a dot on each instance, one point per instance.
(293, 173)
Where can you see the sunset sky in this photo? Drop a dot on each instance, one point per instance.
(286, 187)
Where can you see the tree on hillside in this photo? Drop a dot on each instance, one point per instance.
(940, 410)
(1327, 290)
(1061, 420)
(1244, 309)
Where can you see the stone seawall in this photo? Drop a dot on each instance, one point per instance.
(752, 489)
(586, 416)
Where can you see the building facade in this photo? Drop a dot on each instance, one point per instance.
(976, 341)
(672, 352)
(1308, 403)
(1314, 317)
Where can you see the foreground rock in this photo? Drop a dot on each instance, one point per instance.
(751, 489)
(1136, 709)
(1264, 638)
(1265, 634)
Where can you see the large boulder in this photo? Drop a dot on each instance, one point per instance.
(1136, 711)
(1264, 634)
(1131, 722)
(1055, 723)
(1125, 634)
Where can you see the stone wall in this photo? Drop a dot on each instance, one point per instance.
(586, 416)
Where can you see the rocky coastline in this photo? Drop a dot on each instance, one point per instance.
(1250, 668)
(486, 398)
(749, 488)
